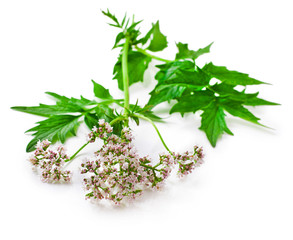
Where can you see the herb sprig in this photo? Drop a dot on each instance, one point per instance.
(117, 172)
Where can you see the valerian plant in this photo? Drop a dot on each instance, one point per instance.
(116, 171)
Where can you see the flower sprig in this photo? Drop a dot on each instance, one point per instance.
(116, 172)
(119, 174)
(50, 163)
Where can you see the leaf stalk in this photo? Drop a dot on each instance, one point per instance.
(157, 130)
(152, 56)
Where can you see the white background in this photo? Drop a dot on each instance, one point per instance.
(244, 189)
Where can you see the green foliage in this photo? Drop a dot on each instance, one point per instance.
(60, 125)
(101, 92)
(191, 88)
(115, 20)
(166, 94)
(185, 53)
(137, 64)
(56, 127)
(192, 103)
(171, 70)
(63, 105)
(180, 82)
(158, 40)
(48, 110)
(213, 122)
(103, 111)
(229, 77)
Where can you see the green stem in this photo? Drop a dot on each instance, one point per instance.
(157, 130)
(125, 78)
(74, 155)
(154, 168)
(117, 120)
(152, 56)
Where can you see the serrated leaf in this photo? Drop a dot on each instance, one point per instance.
(58, 97)
(230, 77)
(55, 128)
(189, 78)
(48, 110)
(169, 71)
(173, 78)
(113, 18)
(192, 103)
(249, 99)
(158, 40)
(213, 122)
(82, 102)
(63, 105)
(184, 52)
(166, 94)
(226, 90)
(236, 109)
(137, 64)
(258, 102)
(101, 92)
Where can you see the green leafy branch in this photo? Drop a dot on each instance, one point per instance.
(64, 117)
(180, 79)
(189, 85)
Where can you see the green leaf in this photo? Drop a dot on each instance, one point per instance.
(189, 78)
(137, 64)
(58, 127)
(133, 25)
(166, 94)
(91, 120)
(49, 110)
(113, 18)
(258, 102)
(171, 70)
(82, 102)
(173, 78)
(101, 92)
(236, 109)
(230, 77)
(192, 103)
(63, 105)
(158, 40)
(170, 85)
(58, 97)
(213, 122)
(185, 53)
(249, 99)
(103, 111)
(119, 37)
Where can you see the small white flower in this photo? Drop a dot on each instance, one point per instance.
(101, 121)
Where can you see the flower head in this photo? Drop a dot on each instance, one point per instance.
(119, 174)
(50, 163)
